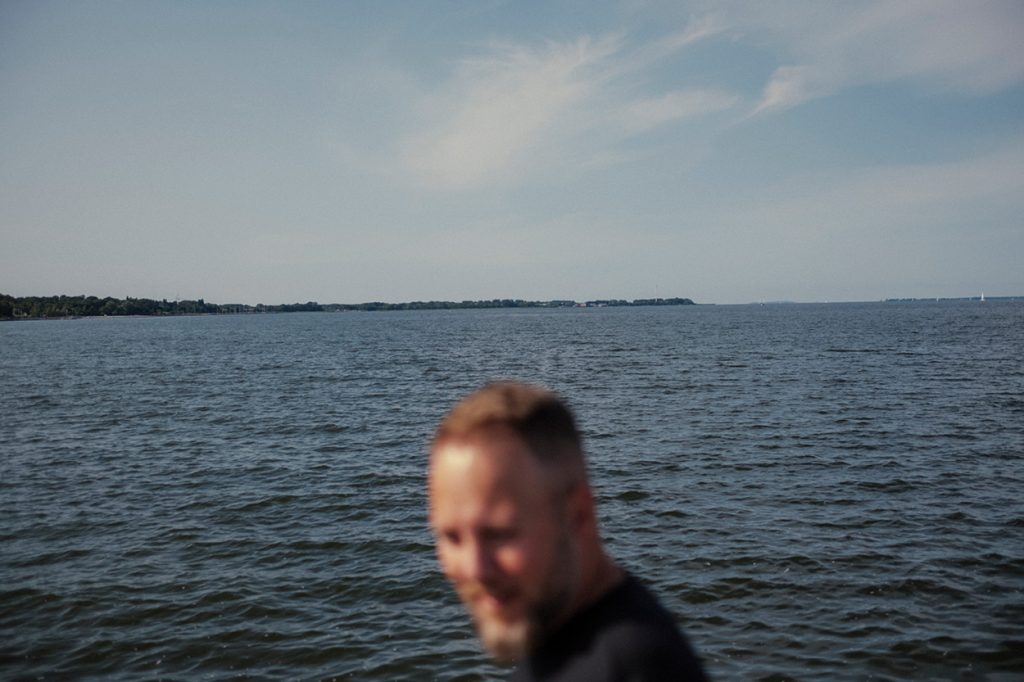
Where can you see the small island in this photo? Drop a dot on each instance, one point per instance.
(49, 307)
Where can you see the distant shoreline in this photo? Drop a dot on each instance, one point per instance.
(65, 307)
(981, 299)
(73, 307)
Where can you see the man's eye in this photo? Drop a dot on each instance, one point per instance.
(450, 536)
(501, 535)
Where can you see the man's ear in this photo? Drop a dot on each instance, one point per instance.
(581, 508)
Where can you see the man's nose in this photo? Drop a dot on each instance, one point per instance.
(476, 562)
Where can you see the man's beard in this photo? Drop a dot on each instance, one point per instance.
(511, 640)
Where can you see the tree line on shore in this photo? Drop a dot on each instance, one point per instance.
(40, 307)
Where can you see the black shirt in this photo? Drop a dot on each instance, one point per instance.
(626, 635)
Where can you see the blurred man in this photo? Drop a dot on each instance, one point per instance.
(517, 535)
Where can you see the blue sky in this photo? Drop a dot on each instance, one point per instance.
(353, 151)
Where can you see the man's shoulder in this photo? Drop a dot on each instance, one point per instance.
(625, 635)
(645, 640)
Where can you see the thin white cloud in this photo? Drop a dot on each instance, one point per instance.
(518, 108)
(969, 47)
(645, 114)
(793, 85)
(500, 105)
(701, 27)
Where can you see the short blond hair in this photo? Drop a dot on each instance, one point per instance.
(533, 413)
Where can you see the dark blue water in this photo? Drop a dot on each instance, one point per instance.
(816, 491)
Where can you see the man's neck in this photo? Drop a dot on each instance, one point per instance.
(603, 576)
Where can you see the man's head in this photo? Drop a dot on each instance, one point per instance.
(512, 513)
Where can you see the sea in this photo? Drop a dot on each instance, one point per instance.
(815, 491)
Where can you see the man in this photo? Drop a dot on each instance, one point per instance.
(517, 535)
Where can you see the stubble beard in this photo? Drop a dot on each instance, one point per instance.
(511, 641)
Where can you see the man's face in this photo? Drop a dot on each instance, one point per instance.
(502, 539)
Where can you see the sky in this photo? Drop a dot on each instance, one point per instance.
(343, 152)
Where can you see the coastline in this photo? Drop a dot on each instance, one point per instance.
(73, 307)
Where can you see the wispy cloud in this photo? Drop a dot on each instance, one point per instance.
(699, 28)
(973, 47)
(645, 114)
(499, 105)
(515, 106)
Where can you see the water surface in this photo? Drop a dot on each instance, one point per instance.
(816, 491)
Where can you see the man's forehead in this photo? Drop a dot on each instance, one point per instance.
(493, 456)
(494, 447)
(484, 471)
